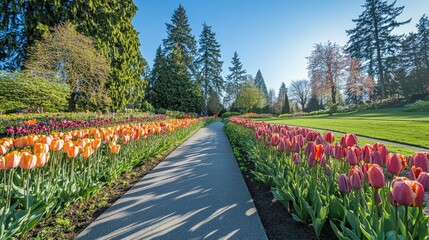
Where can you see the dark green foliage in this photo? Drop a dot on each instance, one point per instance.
(313, 104)
(236, 77)
(286, 107)
(173, 72)
(209, 65)
(260, 83)
(372, 41)
(230, 114)
(22, 91)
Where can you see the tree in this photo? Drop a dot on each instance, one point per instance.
(109, 22)
(180, 39)
(300, 92)
(249, 96)
(22, 90)
(355, 83)
(234, 79)
(286, 107)
(71, 56)
(371, 40)
(210, 65)
(260, 83)
(283, 99)
(214, 104)
(271, 98)
(326, 69)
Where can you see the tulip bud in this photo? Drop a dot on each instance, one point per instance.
(421, 160)
(367, 153)
(382, 150)
(296, 158)
(310, 149)
(319, 140)
(322, 161)
(395, 163)
(351, 157)
(423, 179)
(375, 175)
(356, 177)
(377, 159)
(414, 172)
(12, 159)
(310, 161)
(28, 162)
(282, 145)
(328, 170)
(407, 192)
(329, 137)
(42, 159)
(327, 149)
(344, 184)
(348, 140)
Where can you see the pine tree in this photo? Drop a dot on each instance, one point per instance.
(234, 79)
(372, 41)
(286, 106)
(260, 83)
(210, 65)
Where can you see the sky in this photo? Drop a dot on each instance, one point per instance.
(274, 36)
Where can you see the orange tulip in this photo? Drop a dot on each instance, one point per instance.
(31, 140)
(12, 159)
(87, 151)
(114, 148)
(406, 192)
(67, 145)
(20, 142)
(28, 161)
(40, 148)
(57, 145)
(46, 139)
(96, 143)
(2, 163)
(73, 151)
(3, 149)
(42, 159)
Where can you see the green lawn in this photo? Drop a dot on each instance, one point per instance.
(387, 124)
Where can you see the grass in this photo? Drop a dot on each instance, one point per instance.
(387, 124)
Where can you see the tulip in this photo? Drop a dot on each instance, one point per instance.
(421, 160)
(40, 148)
(300, 140)
(328, 170)
(96, 143)
(318, 140)
(282, 145)
(310, 149)
(329, 137)
(348, 140)
(3, 149)
(380, 148)
(56, 145)
(344, 184)
(67, 145)
(367, 151)
(46, 139)
(296, 158)
(73, 151)
(42, 159)
(395, 163)
(28, 161)
(322, 161)
(114, 148)
(356, 177)
(351, 156)
(374, 175)
(318, 152)
(327, 149)
(2, 163)
(338, 151)
(407, 192)
(423, 179)
(414, 172)
(20, 142)
(12, 159)
(377, 159)
(87, 151)
(311, 161)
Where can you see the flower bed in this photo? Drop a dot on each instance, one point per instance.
(40, 174)
(362, 191)
(39, 124)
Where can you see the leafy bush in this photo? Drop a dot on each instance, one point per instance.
(426, 98)
(230, 114)
(22, 91)
(147, 107)
(160, 111)
(420, 106)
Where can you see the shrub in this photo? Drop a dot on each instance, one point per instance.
(420, 106)
(147, 107)
(230, 114)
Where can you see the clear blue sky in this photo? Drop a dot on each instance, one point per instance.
(274, 36)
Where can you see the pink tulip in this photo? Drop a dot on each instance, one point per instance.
(395, 163)
(380, 148)
(414, 172)
(374, 175)
(282, 145)
(423, 179)
(296, 158)
(310, 160)
(407, 192)
(352, 156)
(348, 140)
(421, 160)
(356, 177)
(367, 153)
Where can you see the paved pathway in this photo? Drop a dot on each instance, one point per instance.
(197, 192)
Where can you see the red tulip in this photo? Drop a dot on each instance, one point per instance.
(274, 139)
(423, 179)
(282, 145)
(414, 172)
(356, 177)
(352, 156)
(407, 192)
(374, 175)
(338, 152)
(421, 160)
(377, 159)
(395, 163)
(380, 148)
(344, 184)
(329, 137)
(348, 140)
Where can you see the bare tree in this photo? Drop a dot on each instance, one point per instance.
(300, 91)
(326, 69)
(271, 97)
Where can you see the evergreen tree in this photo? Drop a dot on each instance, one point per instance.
(371, 40)
(210, 65)
(286, 106)
(283, 99)
(234, 79)
(109, 23)
(260, 83)
(179, 38)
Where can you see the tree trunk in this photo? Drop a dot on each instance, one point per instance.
(334, 95)
(72, 102)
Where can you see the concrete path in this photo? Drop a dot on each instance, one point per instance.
(197, 192)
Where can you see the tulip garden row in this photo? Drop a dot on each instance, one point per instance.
(40, 174)
(47, 124)
(360, 191)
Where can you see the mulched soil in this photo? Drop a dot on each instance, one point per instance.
(277, 221)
